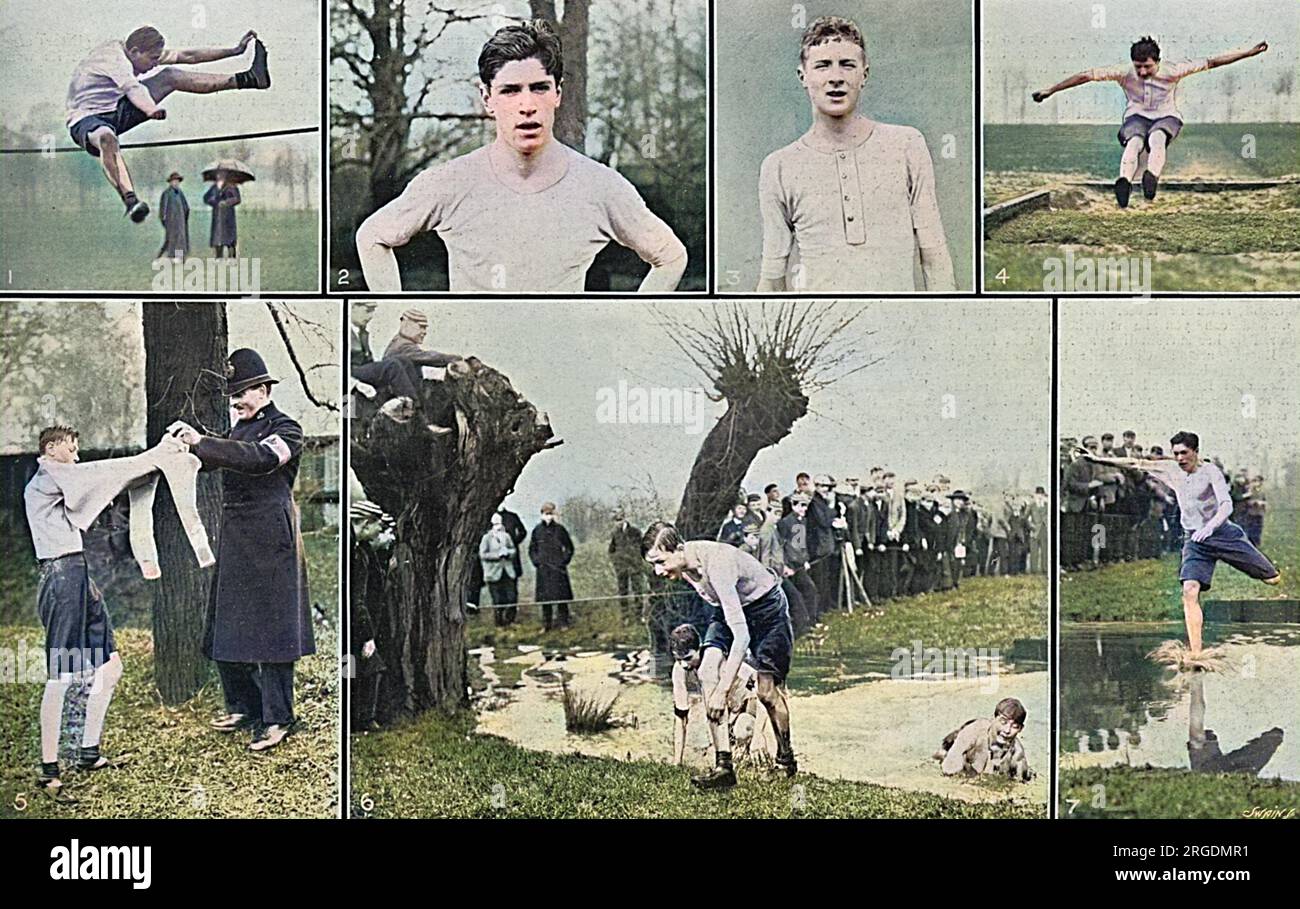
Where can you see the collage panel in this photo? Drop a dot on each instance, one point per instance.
(839, 171)
(1179, 602)
(648, 553)
(1181, 175)
(519, 147)
(171, 149)
(170, 622)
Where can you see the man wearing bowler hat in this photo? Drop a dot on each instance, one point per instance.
(258, 620)
(174, 213)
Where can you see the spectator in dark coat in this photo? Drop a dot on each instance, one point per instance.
(550, 550)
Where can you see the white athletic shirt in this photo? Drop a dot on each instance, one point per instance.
(855, 216)
(686, 682)
(499, 239)
(1151, 98)
(1199, 492)
(100, 81)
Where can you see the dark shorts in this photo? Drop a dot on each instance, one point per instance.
(1227, 544)
(1138, 125)
(78, 631)
(771, 637)
(126, 116)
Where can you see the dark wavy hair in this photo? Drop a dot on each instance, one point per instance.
(1190, 439)
(1144, 48)
(522, 42)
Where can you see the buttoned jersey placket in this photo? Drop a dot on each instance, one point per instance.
(850, 187)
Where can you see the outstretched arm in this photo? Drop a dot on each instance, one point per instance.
(1144, 464)
(1234, 56)
(1071, 82)
(207, 54)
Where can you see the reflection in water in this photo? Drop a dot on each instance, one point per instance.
(1203, 748)
(1118, 707)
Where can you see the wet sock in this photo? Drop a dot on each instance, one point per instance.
(49, 769)
(245, 79)
(724, 759)
(130, 199)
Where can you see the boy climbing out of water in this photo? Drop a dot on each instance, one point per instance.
(988, 744)
(1205, 505)
(1152, 119)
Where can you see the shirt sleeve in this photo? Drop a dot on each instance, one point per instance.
(778, 225)
(119, 69)
(266, 456)
(1185, 68)
(923, 202)
(1109, 73)
(1220, 485)
(420, 207)
(634, 225)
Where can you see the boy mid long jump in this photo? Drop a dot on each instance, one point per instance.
(1205, 505)
(1151, 117)
(106, 96)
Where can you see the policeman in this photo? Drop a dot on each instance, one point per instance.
(258, 620)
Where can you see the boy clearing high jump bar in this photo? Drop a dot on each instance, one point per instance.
(1151, 117)
(106, 98)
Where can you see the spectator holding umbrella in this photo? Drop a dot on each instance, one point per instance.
(174, 213)
(223, 195)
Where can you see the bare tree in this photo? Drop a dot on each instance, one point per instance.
(763, 360)
(442, 490)
(382, 46)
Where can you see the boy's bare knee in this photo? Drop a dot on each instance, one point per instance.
(105, 140)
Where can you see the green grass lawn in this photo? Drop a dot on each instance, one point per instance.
(1144, 792)
(176, 767)
(1244, 241)
(1148, 590)
(101, 250)
(1091, 151)
(435, 766)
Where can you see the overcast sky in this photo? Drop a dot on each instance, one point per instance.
(46, 39)
(1228, 370)
(992, 357)
(1033, 44)
(249, 324)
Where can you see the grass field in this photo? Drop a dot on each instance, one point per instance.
(102, 250)
(1145, 792)
(435, 767)
(985, 612)
(175, 766)
(1148, 590)
(1236, 240)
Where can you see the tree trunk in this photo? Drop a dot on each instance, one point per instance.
(761, 418)
(392, 129)
(572, 27)
(185, 358)
(442, 491)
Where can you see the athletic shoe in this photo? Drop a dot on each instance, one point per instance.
(717, 778)
(49, 777)
(1122, 189)
(138, 212)
(270, 737)
(261, 75)
(1149, 181)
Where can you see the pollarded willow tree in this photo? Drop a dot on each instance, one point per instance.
(442, 489)
(765, 360)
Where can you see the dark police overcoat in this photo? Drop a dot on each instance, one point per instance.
(258, 610)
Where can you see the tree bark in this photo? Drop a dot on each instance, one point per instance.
(442, 491)
(185, 357)
(750, 424)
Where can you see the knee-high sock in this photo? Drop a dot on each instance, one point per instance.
(1156, 160)
(1128, 164)
(52, 717)
(101, 693)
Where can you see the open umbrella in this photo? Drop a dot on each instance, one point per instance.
(236, 171)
